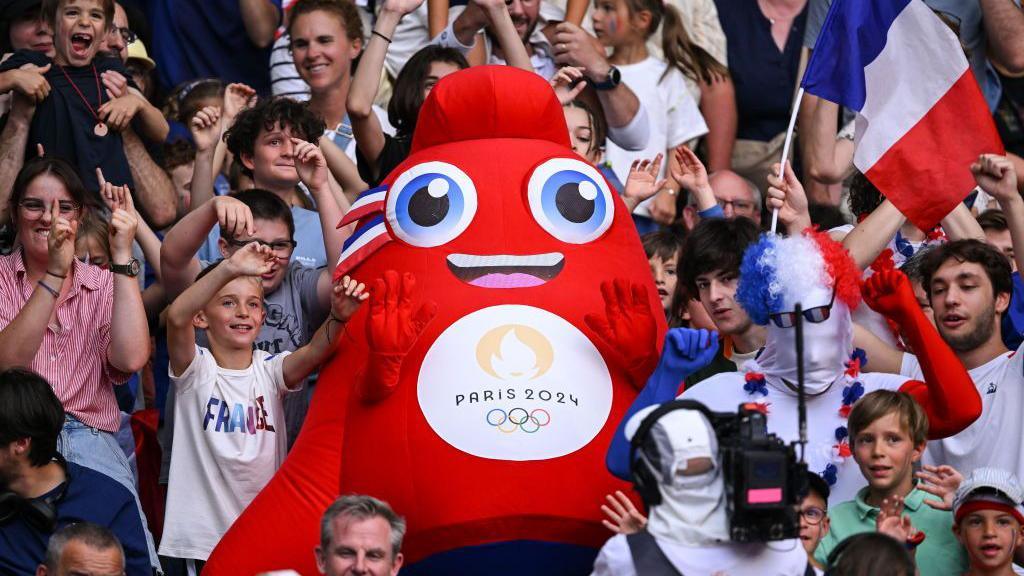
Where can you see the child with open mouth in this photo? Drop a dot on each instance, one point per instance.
(82, 117)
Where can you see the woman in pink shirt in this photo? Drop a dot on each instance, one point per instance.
(56, 312)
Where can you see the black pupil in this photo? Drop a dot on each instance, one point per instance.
(572, 205)
(425, 210)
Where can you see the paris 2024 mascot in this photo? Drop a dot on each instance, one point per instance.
(511, 321)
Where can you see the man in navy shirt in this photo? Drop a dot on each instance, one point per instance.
(40, 492)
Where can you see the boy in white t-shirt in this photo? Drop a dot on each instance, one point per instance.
(229, 433)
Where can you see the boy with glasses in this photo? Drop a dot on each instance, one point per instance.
(814, 522)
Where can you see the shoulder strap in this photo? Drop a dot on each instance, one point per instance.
(648, 558)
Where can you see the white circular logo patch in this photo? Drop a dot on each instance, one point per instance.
(514, 383)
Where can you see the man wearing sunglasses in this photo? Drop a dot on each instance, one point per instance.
(814, 271)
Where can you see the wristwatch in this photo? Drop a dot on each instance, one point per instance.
(612, 81)
(131, 269)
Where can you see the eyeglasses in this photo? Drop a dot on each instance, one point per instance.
(738, 205)
(280, 247)
(126, 34)
(34, 208)
(813, 515)
(815, 315)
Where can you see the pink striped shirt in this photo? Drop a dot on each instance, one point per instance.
(73, 355)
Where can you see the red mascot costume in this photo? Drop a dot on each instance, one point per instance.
(478, 391)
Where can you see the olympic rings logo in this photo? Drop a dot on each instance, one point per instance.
(518, 418)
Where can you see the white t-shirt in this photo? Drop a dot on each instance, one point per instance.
(994, 439)
(229, 439)
(672, 113)
(783, 558)
(724, 393)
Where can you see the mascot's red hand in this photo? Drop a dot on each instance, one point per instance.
(627, 330)
(948, 394)
(888, 292)
(391, 330)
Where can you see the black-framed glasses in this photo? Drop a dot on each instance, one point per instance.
(280, 247)
(127, 34)
(812, 515)
(35, 207)
(814, 315)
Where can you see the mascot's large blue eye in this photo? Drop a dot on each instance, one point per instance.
(570, 200)
(431, 204)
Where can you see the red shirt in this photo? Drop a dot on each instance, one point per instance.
(73, 355)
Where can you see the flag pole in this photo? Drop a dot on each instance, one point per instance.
(785, 149)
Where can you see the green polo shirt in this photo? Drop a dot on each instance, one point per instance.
(939, 555)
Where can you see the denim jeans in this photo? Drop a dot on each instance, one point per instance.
(99, 450)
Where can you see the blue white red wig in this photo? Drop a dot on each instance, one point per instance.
(777, 271)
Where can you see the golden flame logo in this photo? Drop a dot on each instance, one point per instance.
(514, 352)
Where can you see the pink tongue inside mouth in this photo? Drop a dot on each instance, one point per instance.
(516, 280)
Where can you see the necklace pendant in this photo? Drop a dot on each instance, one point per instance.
(100, 129)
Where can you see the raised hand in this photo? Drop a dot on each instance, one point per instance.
(643, 182)
(310, 164)
(60, 242)
(627, 330)
(391, 330)
(347, 297)
(238, 97)
(29, 81)
(562, 83)
(575, 47)
(393, 326)
(115, 83)
(205, 128)
(691, 175)
(892, 522)
(253, 259)
(996, 176)
(119, 112)
(686, 351)
(124, 220)
(888, 292)
(941, 481)
(623, 515)
(788, 197)
(234, 217)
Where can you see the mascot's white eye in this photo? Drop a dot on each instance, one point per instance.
(570, 200)
(431, 204)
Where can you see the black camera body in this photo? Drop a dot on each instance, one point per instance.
(764, 479)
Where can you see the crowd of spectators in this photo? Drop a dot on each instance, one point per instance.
(172, 173)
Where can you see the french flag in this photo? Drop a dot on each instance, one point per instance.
(922, 119)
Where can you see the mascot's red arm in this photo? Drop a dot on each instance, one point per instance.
(948, 394)
(391, 331)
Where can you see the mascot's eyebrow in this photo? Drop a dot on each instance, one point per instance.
(371, 232)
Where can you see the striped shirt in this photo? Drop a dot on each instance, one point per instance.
(73, 354)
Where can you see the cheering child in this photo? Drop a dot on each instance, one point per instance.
(79, 120)
(229, 434)
(888, 431)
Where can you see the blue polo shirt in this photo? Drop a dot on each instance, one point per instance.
(90, 497)
(764, 77)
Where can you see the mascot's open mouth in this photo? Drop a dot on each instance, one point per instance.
(504, 270)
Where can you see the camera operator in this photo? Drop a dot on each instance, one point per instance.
(677, 469)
